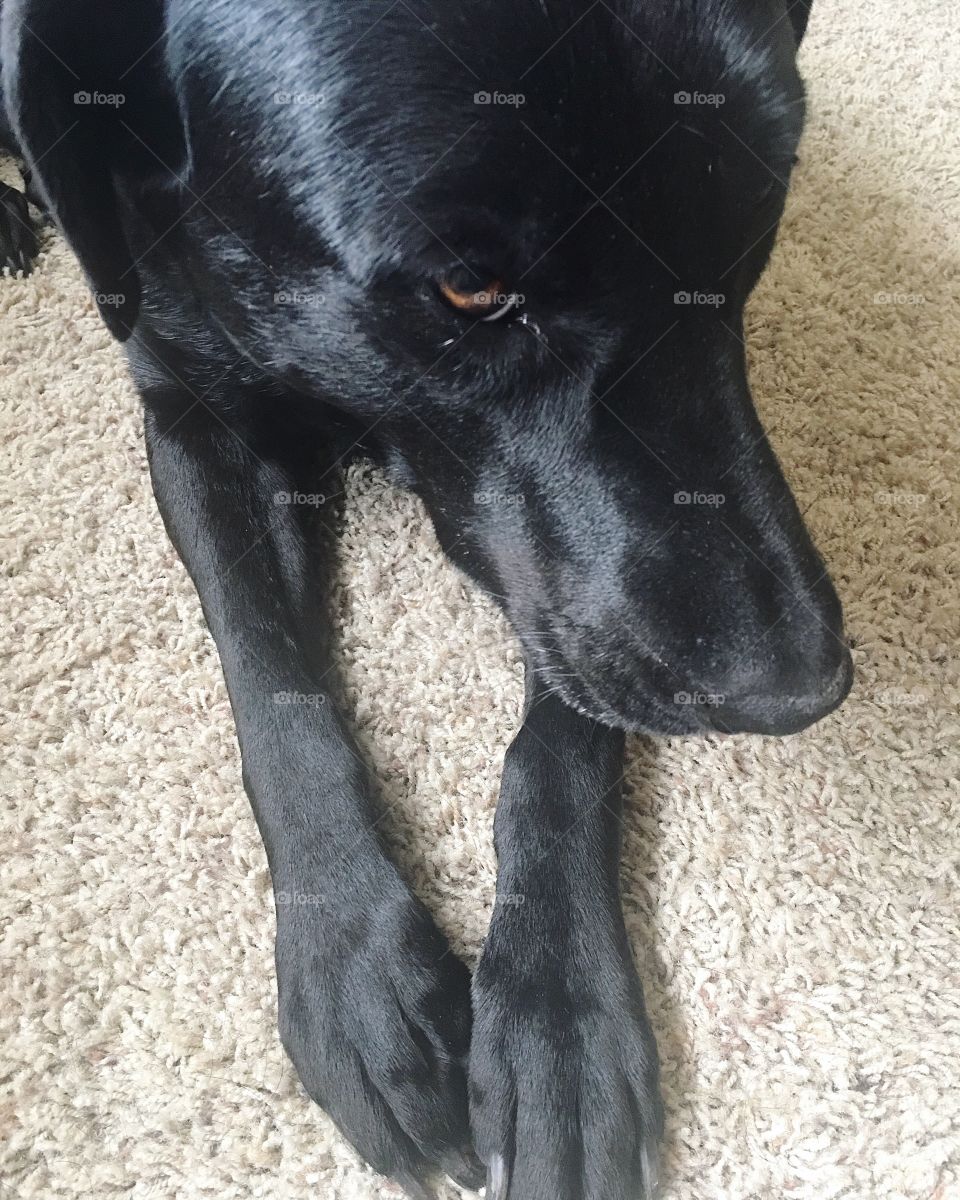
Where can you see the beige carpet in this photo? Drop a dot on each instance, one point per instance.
(794, 904)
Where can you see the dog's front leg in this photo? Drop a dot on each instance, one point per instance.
(374, 1008)
(563, 1066)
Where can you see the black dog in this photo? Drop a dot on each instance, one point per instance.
(504, 246)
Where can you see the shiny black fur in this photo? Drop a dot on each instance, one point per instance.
(264, 219)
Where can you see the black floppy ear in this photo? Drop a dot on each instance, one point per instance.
(86, 94)
(800, 14)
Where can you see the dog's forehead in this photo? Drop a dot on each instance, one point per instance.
(516, 111)
(521, 104)
(604, 77)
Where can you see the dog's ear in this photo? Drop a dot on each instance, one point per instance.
(87, 96)
(799, 14)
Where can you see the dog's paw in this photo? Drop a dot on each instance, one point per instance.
(375, 1015)
(18, 239)
(564, 1072)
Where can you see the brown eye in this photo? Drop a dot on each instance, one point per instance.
(473, 303)
(489, 302)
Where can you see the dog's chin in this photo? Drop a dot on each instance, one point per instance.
(644, 715)
(696, 714)
(651, 717)
(640, 713)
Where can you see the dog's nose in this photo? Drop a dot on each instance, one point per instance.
(787, 699)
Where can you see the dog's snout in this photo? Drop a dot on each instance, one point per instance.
(785, 664)
(747, 649)
(786, 693)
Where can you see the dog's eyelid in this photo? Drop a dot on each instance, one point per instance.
(509, 303)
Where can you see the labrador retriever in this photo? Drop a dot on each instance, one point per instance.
(503, 247)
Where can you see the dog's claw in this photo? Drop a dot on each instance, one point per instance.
(17, 235)
(464, 1168)
(497, 1179)
(650, 1168)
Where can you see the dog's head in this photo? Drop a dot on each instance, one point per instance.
(515, 239)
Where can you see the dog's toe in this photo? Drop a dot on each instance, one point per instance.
(464, 1168)
(18, 239)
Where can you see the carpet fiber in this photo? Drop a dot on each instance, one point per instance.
(793, 904)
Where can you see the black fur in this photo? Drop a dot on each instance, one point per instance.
(265, 218)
